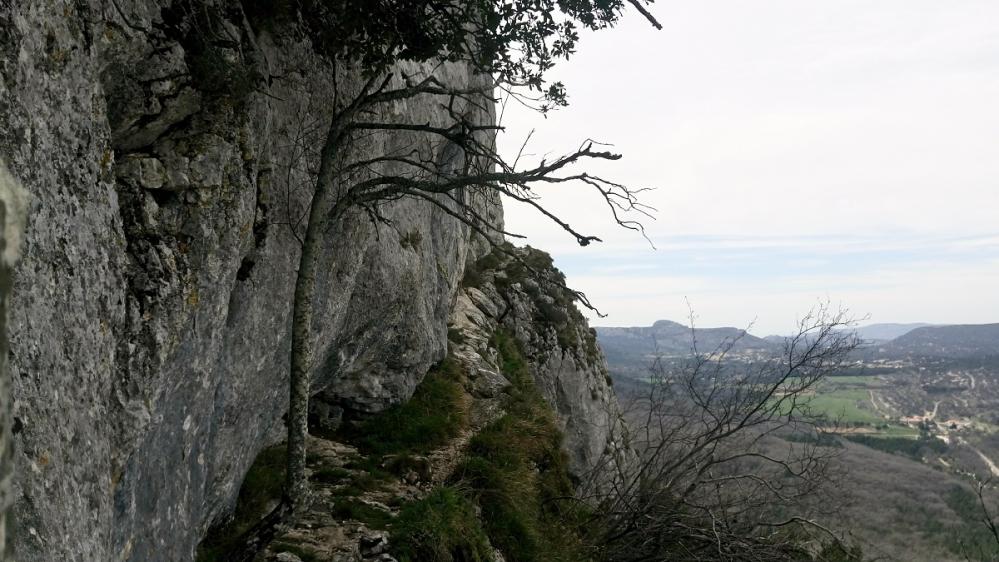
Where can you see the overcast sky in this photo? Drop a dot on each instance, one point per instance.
(843, 150)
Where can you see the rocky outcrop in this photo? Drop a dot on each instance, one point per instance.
(519, 290)
(149, 326)
(513, 310)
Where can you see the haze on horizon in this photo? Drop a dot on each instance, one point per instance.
(800, 152)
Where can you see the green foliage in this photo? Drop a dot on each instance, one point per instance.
(554, 303)
(475, 272)
(435, 414)
(914, 448)
(592, 349)
(443, 527)
(455, 335)
(964, 502)
(814, 438)
(531, 263)
(262, 486)
(349, 508)
(517, 41)
(518, 473)
(368, 479)
(970, 537)
(222, 72)
(513, 365)
(965, 535)
(217, 66)
(328, 475)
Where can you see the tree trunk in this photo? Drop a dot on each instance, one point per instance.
(297, 495)
(296, 484)
(322, 212)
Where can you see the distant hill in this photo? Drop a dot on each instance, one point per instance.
(958, 341)
(626, 347)
(775, 339)
(888, 331)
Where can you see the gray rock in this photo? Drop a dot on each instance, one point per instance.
(568, 366)
(149, 323)
(286, 557)
(374, 544)
(140, 171)
(325, 416)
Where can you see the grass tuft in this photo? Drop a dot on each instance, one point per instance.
(517, 472)
(443, 527)
(353, 509)
(435, 414)
(331, 475)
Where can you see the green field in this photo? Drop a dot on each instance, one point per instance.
(845, 405)
(846, 401)
(898, 431)
(852, 380)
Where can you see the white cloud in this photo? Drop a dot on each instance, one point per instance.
(828, 128)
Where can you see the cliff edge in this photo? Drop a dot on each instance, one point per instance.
(151, 305)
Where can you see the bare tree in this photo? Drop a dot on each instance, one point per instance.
(988, 518)
(707, 486)
(509, 47)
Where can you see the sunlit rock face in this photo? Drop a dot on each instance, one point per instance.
(149, 322)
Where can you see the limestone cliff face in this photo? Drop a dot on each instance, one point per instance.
(151, 305)
(519, 290)
(149, 326)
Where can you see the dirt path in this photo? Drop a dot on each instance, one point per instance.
(444, 460)
(992, 466)
(882, 409)
(932, 415)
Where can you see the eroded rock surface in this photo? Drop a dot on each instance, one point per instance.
(149, 326)
(149, 323)
(519, 290)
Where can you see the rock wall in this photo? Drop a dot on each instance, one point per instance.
(149, 323)
(149, 320)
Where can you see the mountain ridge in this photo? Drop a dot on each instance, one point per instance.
(958, 340)
(634, 346)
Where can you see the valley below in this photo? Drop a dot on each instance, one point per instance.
(911, 422)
